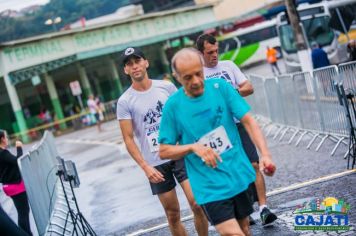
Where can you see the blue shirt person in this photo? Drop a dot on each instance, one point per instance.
(319, 56)
(200, 119)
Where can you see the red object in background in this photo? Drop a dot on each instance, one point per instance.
(248, 22)
(66, 27)
(82, 21)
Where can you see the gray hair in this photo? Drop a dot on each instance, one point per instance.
(184, 52)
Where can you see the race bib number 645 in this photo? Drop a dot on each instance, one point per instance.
(217, 139)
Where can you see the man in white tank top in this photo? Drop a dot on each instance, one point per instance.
(227, 70)
(139, 112)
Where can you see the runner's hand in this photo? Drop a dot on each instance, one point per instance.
(153, 175)
(267, 166)
(18, 144)
(207, 155)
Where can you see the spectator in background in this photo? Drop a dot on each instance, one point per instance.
(45, 116)
(351, 49)
(271, 55)
(101, 108)
(13, 184)
(94, 111)
(319, 56)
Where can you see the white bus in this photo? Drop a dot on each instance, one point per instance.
(315, 19)
(247, 46)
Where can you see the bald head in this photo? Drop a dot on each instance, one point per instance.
(187, 66)
(185, 55)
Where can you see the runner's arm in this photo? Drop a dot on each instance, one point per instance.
(259, 140)
(245, 88)
(176, 152)
(127, 132)
(132, 148)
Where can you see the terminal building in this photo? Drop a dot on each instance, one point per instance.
(36, 72)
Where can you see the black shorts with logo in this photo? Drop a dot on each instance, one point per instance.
(170, 170)
(238, 207)
(247, 144)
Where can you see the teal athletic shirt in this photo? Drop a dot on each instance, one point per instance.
(186, 119)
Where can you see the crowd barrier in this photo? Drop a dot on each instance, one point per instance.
(44, 190)
(305, 103)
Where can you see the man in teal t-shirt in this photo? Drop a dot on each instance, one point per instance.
(200, 118)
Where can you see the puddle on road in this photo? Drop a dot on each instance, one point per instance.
(101, 162)
(293, 204)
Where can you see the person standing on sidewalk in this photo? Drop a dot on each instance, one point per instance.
(94, 111)
(13, 184)
(139, 112)
(227, 70)
(198, 126)
(271, 55)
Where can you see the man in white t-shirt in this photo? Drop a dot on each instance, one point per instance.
(227, 70)
(139, 112)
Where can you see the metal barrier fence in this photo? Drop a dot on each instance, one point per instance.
(259, 99)
(45, 193)
(347, 72)
(306, 103)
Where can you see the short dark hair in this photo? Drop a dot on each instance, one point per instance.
(202, 38)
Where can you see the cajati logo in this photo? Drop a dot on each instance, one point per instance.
(329, 214)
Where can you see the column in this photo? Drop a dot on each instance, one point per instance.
(97, 86)
(16, 107)
(54, 98)
(115, 75)
(164, 58)
(84, 80)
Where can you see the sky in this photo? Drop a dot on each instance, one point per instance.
(19, 4)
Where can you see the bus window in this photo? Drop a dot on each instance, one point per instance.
(287, 39)
(227, 45)
(257, 36)
(317, 29)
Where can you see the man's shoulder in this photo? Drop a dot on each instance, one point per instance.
(162, 84)
(175, 98)
(227, 63)
(125, 97)
(229, 66)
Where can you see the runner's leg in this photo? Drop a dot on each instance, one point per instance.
(229, 227)
(169, 201)
(200, 221)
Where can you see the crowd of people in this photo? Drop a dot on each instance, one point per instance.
(201, 136)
